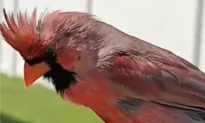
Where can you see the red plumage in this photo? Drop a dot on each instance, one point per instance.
(120, 77)
(20, 34)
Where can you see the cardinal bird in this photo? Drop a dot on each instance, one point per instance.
(122, 78)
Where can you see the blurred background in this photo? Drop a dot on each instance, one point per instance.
(177, 25)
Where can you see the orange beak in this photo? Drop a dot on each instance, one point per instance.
(32, 73)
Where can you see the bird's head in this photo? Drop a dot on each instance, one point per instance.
(57, 46)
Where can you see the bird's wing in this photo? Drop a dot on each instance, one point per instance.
(173, 82)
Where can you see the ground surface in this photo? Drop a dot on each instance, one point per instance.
(37, 105)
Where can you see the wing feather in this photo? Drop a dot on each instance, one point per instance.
(161, 81)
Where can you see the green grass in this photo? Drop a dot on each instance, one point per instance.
(38, 105)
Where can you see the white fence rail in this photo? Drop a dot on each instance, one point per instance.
(169, 24)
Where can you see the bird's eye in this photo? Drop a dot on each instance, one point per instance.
(50, 51)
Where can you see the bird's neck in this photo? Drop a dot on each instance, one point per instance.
(96, 95)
